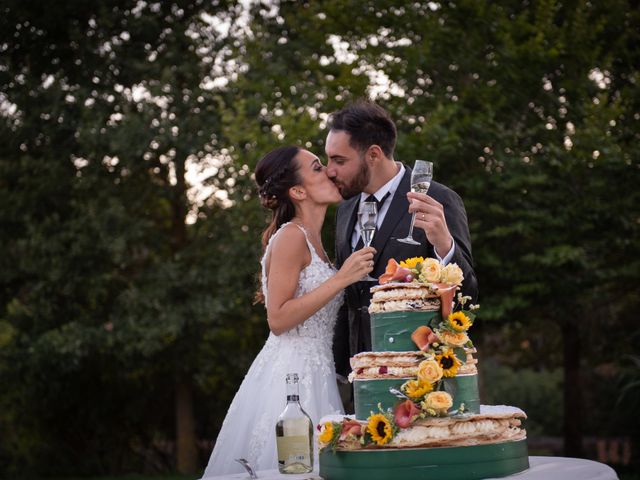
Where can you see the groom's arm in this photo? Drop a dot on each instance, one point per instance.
(456, 217)
(441, 214)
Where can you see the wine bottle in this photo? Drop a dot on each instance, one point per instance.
(294, 433)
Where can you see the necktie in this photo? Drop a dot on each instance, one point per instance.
(372, 198)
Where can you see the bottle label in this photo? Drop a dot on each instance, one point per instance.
(293, 449)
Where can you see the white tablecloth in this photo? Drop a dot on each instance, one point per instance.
(541, 468)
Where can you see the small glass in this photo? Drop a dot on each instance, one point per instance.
(367, 221)
(421, 176)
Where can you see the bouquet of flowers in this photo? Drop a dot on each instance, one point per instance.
(443, 345)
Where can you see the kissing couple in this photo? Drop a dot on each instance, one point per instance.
(317, 311)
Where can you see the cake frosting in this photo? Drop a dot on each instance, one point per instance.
(403, 297)
(494, 424)
(367, 365)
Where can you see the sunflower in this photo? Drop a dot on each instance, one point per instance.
(327, 433)
(449, 363)
(459, 321)
(411, 263)
(416, 389)
(380, 429)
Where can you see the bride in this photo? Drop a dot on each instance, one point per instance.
(302, 292)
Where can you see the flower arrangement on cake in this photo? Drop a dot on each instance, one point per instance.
(418, 389)
(423, 399)
(416, 284)
(447, 342)
(425, 284)
(407, 426)
(444, 351)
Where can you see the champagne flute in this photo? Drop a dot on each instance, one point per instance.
(367, 221)
(421, 176)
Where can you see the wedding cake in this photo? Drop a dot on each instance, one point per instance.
(416, 400)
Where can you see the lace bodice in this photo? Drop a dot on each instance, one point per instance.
(320, 325)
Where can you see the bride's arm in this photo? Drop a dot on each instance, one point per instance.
(289, 255)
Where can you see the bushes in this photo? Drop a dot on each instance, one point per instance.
(537, 392)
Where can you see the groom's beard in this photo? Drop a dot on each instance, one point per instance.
(358, 183)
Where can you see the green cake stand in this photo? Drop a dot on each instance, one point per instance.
(447, 463)
(367, 394)
(391, 331)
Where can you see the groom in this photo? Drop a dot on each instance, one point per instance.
(359, 148)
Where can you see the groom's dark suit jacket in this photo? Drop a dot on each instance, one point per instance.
(352, 333)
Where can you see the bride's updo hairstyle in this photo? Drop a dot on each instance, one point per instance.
(275, 174)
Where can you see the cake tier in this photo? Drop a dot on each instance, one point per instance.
(369, 365)
(369, 393)
(391, 331)
(444, 463)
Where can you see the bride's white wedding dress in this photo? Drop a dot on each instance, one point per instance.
(248, 430)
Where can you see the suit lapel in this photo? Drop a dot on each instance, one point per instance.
(346, 226)
(398, 208)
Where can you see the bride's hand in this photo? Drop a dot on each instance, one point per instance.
(359, 264)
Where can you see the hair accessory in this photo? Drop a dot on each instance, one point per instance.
(271, 182)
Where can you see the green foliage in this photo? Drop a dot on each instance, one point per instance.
(108, 296)
(537, 392)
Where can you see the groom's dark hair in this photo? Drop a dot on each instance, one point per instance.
(368, 124)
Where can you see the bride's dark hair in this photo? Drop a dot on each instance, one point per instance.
(275, 174)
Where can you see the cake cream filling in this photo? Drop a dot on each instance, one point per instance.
(403, 298)
(404, 294)
(469, 431)
(467, 369)
(370, 359)
(429, 287)
(370, 363)
(494, 424)
(404, 306)
(374, 372)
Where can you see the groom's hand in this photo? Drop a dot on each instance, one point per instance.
(430, 218)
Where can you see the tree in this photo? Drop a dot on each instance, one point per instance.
(106, 108)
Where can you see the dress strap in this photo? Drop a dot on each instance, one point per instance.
(275, 234)
(306, 237)
(263, 260)
(310, 246)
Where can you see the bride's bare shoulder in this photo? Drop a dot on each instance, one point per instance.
(290, 245)
(289, 237)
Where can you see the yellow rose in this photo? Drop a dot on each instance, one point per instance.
(451, 275)
(327, 433)
(439, 402)
(457, 339)
(429, 371)
(430, 270)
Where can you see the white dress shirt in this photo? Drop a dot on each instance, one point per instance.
(390, 187)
